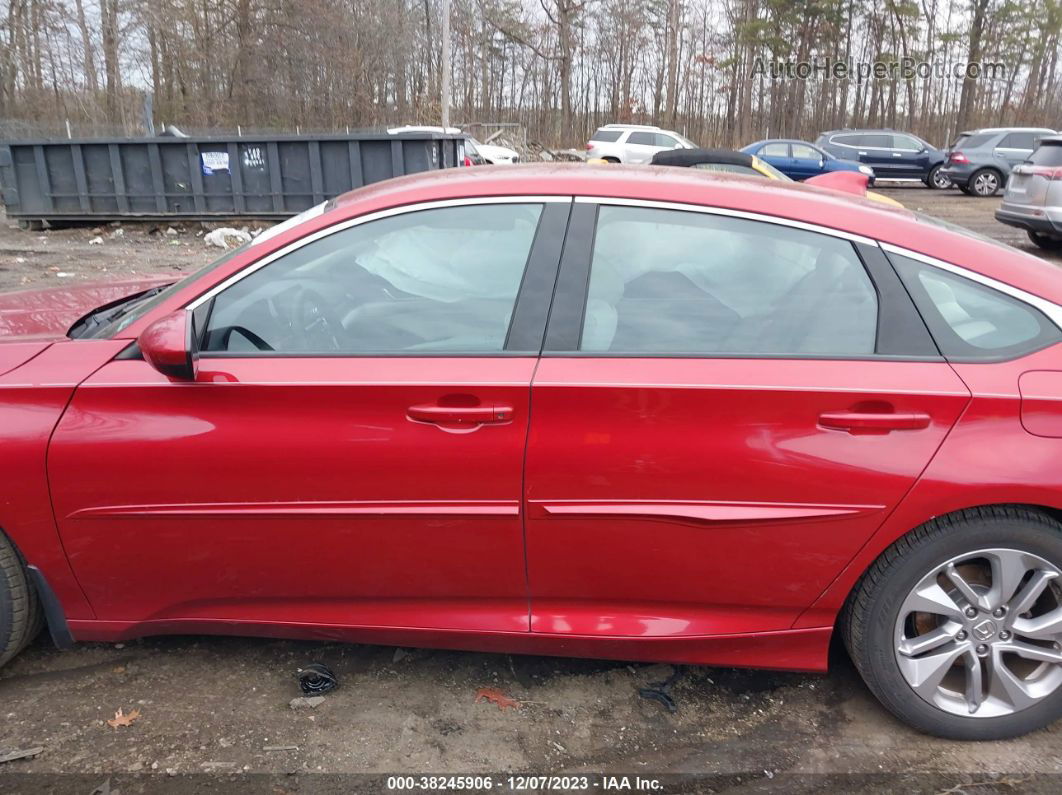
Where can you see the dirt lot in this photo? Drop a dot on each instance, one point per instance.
(214, 711)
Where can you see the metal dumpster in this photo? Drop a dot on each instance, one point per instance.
(205, 177)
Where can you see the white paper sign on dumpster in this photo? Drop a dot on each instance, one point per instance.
(214, 161)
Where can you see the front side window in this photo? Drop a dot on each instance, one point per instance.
(971, 321)
(805, 152)
(431, 281)
(906, 143)
(678, 282)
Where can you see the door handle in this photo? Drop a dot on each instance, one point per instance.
(462, 415)
(874, 422)
(862, 153)
(897, 154)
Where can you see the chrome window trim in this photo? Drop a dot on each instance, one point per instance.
(364, 219)
(748, 216)
(1049, 308)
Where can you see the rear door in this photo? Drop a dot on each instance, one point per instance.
(720, 420)
(351, 452)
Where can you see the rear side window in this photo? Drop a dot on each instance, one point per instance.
(607, 136)
(973, 322)
(1047, 155)
(1020, 140)
(975, 141)
(876, 141)
(687, 283)
(774, 150)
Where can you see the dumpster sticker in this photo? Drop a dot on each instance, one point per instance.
(253, 157)
(214, 161)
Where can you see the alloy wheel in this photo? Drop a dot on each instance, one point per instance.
(981, 635)
(941, 180)
(986, 183)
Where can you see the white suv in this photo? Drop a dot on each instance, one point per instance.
(633, 143)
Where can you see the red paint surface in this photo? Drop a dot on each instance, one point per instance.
(686, 510)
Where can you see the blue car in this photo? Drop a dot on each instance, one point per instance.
(801, 160)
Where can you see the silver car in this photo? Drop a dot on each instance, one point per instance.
(633, 143)
(1033, 199)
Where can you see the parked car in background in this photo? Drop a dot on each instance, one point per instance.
(731, 162)
(1033, 198)
(979, 161)
(892, 155)
(495, 155)
(633, 143)
(800, 160)
(633, 413)
(472, 154)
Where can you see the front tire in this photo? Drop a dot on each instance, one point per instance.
(957, 627)
(938, 180)
(20, 610)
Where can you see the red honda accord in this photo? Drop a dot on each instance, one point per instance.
(636, 413)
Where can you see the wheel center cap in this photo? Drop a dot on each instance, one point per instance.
(983, 630)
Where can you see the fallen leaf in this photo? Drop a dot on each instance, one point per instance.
(121, 719)
(495, 696)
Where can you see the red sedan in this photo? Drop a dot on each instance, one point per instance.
(641, 413)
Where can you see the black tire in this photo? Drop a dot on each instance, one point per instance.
(1045, 242)
(985, 183)
(936, 180)
(20, 609)
(869, 618)
(966, 189)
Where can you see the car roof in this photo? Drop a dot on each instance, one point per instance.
(733, 192)
(784, 141)
(982, 130)
(628, 127)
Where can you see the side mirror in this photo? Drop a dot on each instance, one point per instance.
(168, 345)
(822, 162)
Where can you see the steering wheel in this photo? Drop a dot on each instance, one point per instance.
(315, 322)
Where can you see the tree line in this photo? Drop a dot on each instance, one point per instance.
(558, 67)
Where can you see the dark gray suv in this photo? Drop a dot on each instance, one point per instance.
(980, 161)
(893, 155)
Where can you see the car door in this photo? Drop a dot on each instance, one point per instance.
(641, 146)
(807, 161)
(351, 450)
(720, 420)
(877, 151)
(777, 154)
(1016, 147)
(911, 155)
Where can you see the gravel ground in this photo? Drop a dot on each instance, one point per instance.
(214, 713)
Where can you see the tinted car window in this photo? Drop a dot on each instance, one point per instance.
(906, 143)
(442, 280)
(1047, 155)
(876, 141)
(674, 282)
(1020, 140)
(971, 321)
(644, 138)
(728, 168)
(974, 141)
(848, 140)
(805, 152)
(608, 136)
(774, 150)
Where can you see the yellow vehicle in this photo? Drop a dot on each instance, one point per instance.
(731, 162)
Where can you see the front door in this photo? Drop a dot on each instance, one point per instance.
(737, 410)
(351, 451)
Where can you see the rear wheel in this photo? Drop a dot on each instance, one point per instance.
(938, 179)
(1045, 242)
(957, 628)
(20, 611)
(985, 182)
